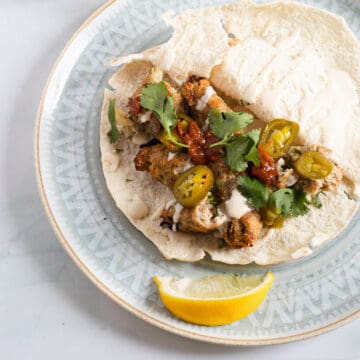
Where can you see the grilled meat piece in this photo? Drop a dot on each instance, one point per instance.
(244, 231)
(156, 160)
(225, 181)
(194, 90)
(332, 181)
(311, 187)
(202, 218)
(286, 178)
(217, 103)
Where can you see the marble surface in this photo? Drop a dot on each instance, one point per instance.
(47, 307)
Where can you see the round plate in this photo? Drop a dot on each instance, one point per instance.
(309, 296)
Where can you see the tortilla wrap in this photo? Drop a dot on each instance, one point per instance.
(142, 199)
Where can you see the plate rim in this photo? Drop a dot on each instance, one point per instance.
(100, 285)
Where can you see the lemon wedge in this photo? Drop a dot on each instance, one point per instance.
(213, 300)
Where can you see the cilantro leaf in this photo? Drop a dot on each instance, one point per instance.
(234, 155)
(316, 200)
(253, 154)
(286, 202)
(289, 202)
(113, 134)
(282, 200)
(254, 190)
(300, 206)
(169, 115)
(242, 149)
(224, 124)
(154, 97)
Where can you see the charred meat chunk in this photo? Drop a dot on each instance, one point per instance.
(156, 160)
(225, 181)
(194, 89)
(202, 218)
(201, 97)
(244, 231)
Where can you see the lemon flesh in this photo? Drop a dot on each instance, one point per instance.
(213, 300)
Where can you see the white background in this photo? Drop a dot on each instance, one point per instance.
(48, 309)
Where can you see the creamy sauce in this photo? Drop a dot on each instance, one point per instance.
(141, 138)
(202, 102)
(170, 203)
(181, 169)
(145, 117)
(170, 156)
(280, 165)
(178, 209)
(292, 180)
(206, 125)
(236, 206)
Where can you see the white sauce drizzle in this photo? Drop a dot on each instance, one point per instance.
(169, 204)
(181, 169)
(145, 117)
(292, 180)
(171, 156)
(206, 125)
(178, 209)
(280, 164)
(236, 206)
(141, 138)
(202, 102)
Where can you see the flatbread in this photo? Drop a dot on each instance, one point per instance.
(299, 63)
(143, 207)
(198, 34)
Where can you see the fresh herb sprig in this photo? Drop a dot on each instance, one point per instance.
(254, 190)
(240, 148)
(287, 202)
(154, 97)
(113, 134)
(225, 124)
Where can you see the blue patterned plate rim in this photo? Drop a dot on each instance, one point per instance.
(42, 185)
